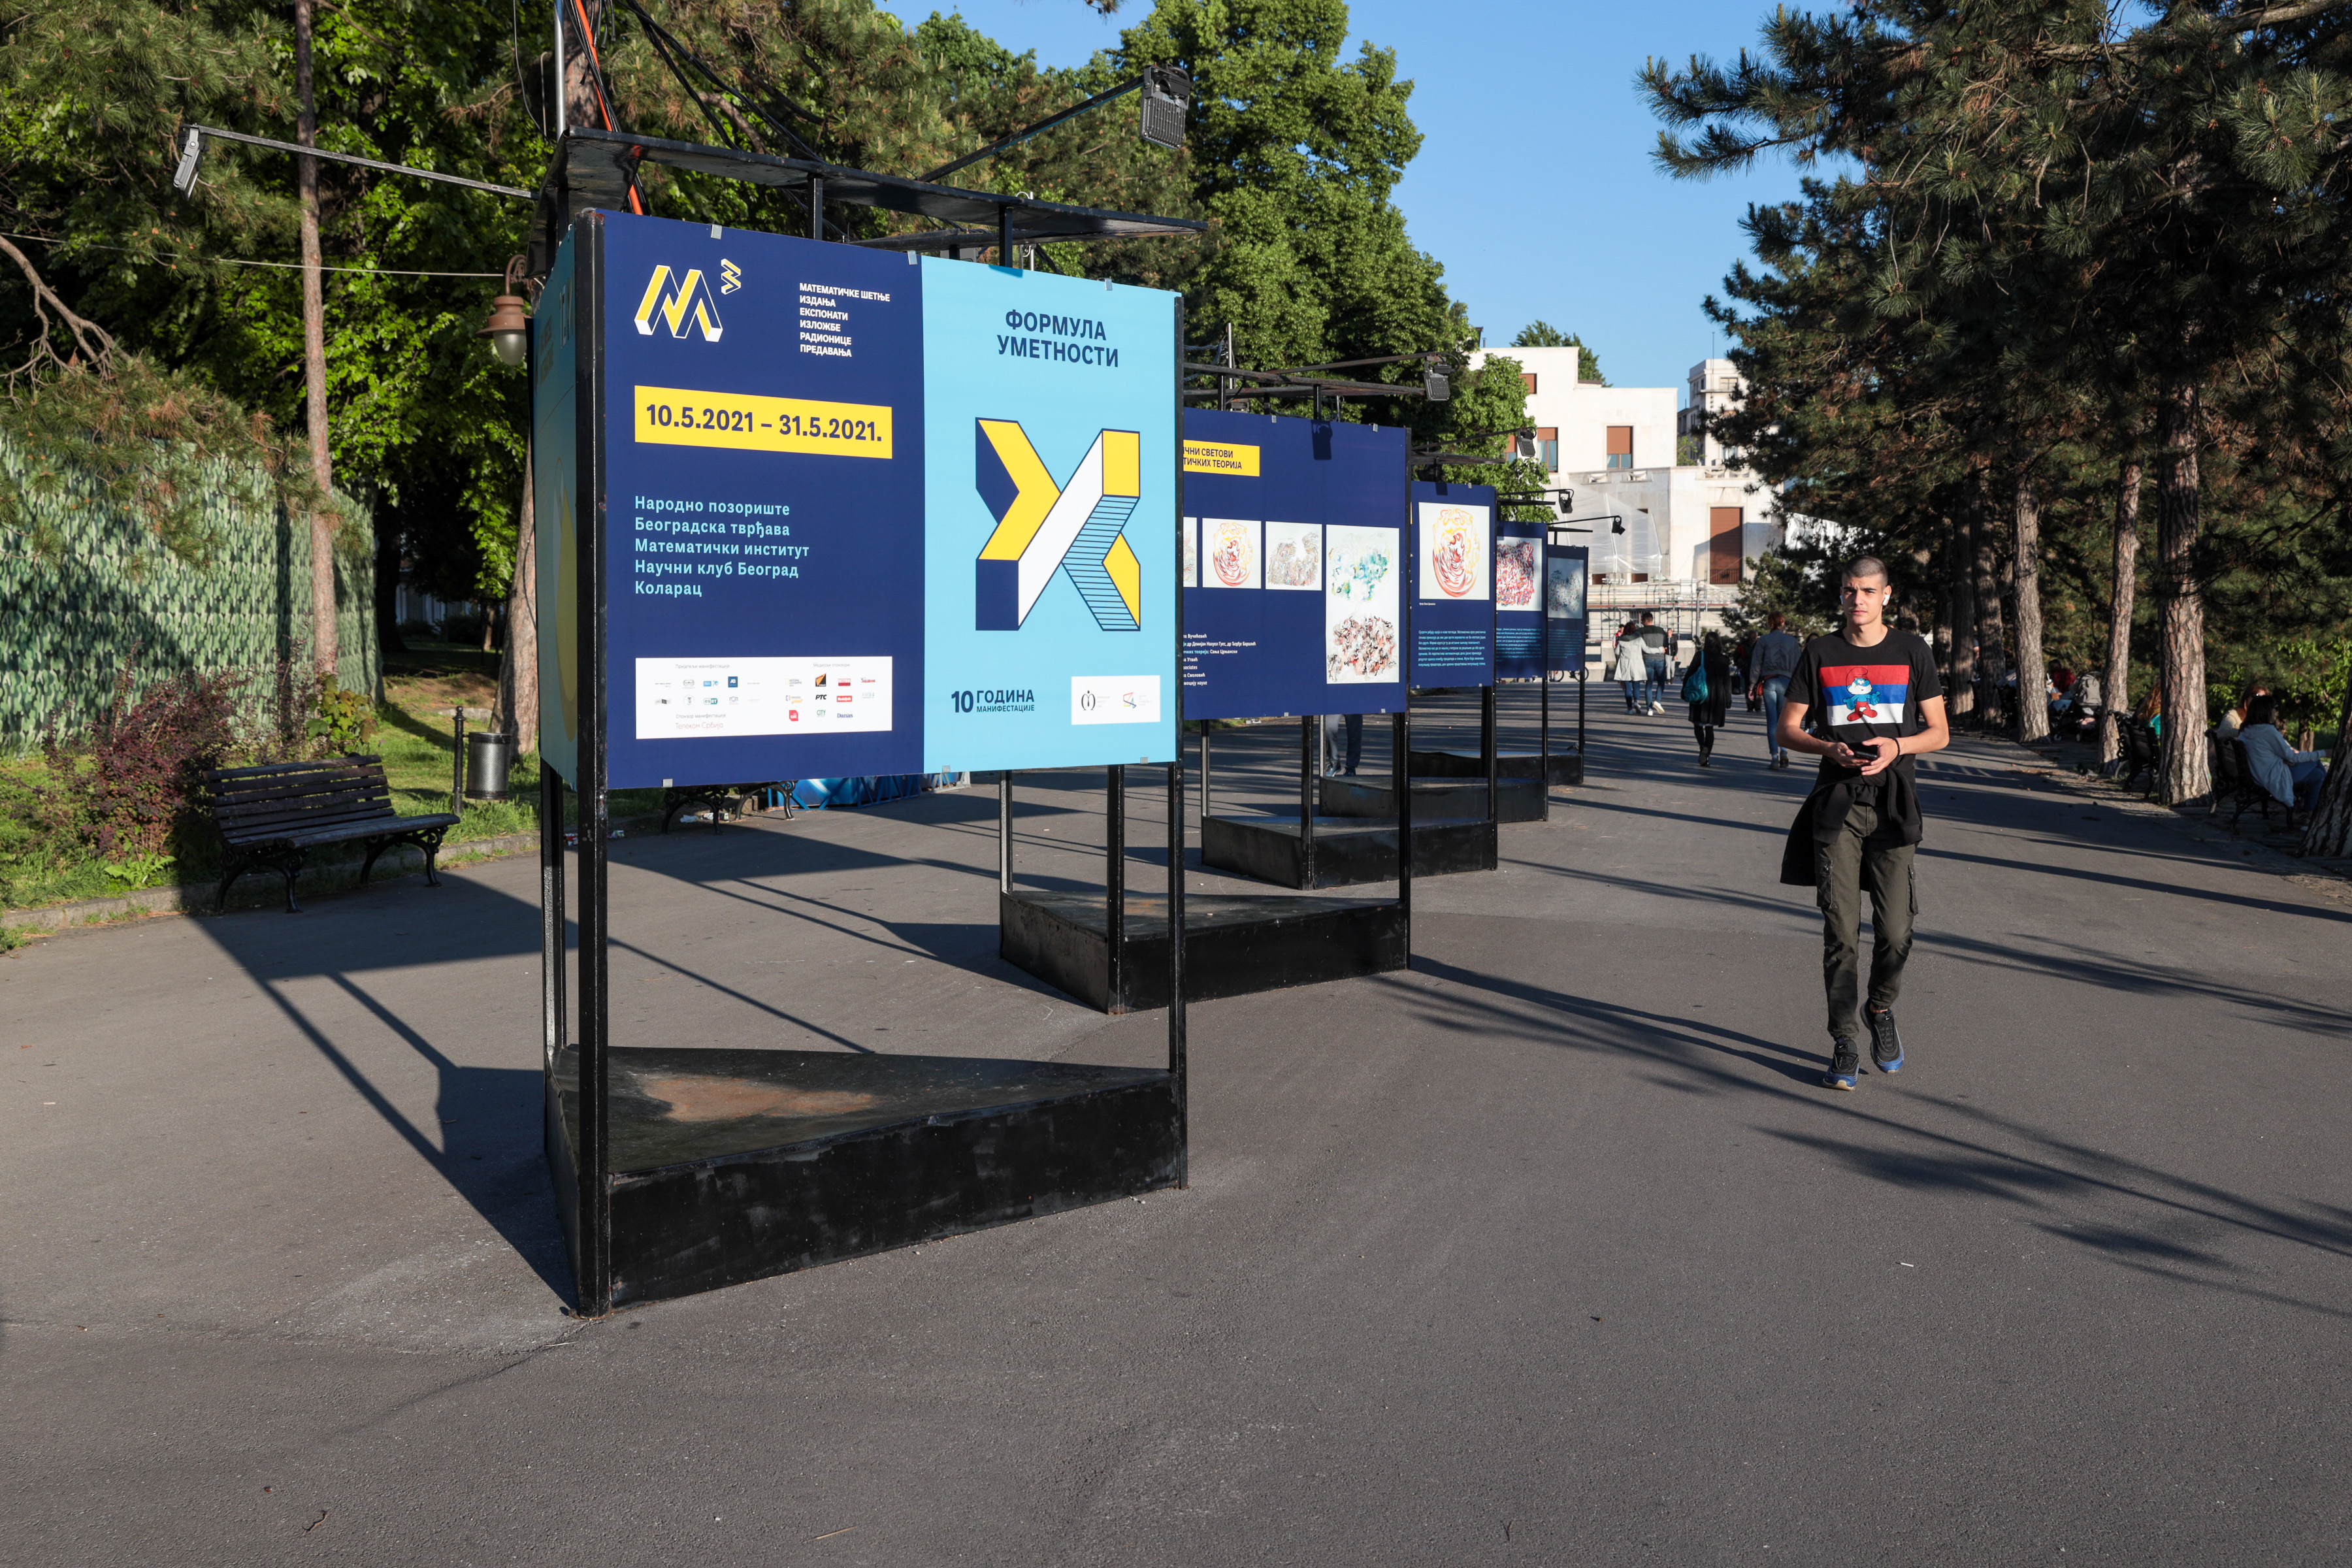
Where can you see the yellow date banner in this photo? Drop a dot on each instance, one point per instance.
(677, 417)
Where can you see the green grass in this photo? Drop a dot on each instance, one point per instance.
(41, 865)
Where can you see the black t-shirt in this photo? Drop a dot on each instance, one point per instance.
(1860, 694)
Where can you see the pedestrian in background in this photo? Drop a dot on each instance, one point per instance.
(1653, 662)
(1775, 664)
(1629, 668)
(1711, 709)
(1352, 725)
(2292, 777)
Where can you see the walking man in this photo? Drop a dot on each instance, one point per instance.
(1880, 706)
(1654, 660)
(1770, 666)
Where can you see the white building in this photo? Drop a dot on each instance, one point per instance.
(1688, 528)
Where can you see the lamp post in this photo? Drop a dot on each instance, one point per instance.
(508, 328)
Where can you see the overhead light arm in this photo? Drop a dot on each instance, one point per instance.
(192, 154)
(1163, 87)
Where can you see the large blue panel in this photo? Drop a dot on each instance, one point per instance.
(1293, 566)
(1453, 578)
(1519, 600)
(764, 506)
(1049, 564)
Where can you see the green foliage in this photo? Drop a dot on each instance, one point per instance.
(343, 722)
(1803, 591)
(1542, 334)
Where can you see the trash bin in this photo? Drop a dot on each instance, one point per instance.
(489, 759)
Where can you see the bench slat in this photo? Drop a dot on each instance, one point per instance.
(273, 789)
(285, 769)
(347, 800)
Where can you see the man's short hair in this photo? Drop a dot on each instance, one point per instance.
(2262, 710)
(1775, 621)
(1866, 566)
(1647, 617)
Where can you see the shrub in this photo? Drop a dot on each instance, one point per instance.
(131, 788)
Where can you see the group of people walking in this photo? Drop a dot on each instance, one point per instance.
(1644, 660)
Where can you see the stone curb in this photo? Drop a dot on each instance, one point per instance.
(263, 890)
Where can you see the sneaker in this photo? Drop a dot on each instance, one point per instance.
(1657, 710)
(1845, 1065)
(1885, 1043)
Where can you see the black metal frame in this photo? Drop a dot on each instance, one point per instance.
(588, 1206)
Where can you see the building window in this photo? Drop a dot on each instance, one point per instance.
(1548, 448)
(1620, 446)
(1527, 379)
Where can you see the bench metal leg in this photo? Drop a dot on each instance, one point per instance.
(426, 838)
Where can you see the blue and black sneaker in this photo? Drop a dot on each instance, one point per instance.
(1885, 1045)
(1845, 1065)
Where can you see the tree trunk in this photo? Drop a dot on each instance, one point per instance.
(2033, 671)
(1944, 642)
(519, 668)
(1992, 657)
(314, 354)
(2181, 594)
(2116, 697)
(2330, 833)
(1961, 697)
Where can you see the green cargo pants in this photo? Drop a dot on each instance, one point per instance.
(1839, 868)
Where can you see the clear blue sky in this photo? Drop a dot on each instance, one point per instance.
(1534, 185)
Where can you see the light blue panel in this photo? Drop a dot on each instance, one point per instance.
(1032, 659)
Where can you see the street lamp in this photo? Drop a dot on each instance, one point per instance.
(508, 330)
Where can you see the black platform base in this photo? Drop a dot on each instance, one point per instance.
(1372, 794)
(1235, 945)
(1346, 852)
(734, 1166)
(1567, 766)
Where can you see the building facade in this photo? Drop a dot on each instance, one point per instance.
(1674, 518)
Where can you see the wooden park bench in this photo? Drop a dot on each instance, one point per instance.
(276, 815)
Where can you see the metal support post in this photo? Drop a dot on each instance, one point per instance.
(1004, 247)
(1488, 754)
(594, 1151)
(1400, 743)
(1205, 807)
(1310, 785)
(1543, 732)
(1115, 884)
(817, 207)
(553, 1021)
(1176, 1064)
(1583, 759)
(1004, 831)
(457, 759)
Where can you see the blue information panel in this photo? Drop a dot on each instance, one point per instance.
(1568, 573)
(1519, 601)
(1293, 566)
(862, 514)
(1453, 585)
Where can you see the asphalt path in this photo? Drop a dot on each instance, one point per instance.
(1549, 1251)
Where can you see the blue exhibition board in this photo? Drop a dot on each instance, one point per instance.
(1568, 578)
(1453, 585)
(862, 513)
(1293, 566)
(1519, 600)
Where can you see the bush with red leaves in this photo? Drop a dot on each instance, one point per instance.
(133, 787)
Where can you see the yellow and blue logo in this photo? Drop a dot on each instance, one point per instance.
(675, 303)
(1077, 528)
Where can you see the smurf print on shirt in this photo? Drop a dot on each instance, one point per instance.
(1866, 694)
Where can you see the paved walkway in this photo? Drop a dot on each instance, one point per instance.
(1549, 1251)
